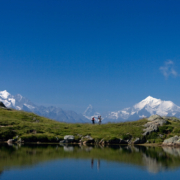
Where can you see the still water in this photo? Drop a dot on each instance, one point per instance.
(45, 162)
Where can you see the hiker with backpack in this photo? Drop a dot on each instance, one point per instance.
(99, 119)
(93, 120)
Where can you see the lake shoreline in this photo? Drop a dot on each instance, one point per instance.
(81, 144)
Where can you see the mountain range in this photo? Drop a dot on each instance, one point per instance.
(144, 108)
(19, 102)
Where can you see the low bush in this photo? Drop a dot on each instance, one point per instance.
(165, 129)
(126, 136)
(6, 133)
(153, 135)
(176, 130)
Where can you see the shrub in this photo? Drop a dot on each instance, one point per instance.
(177, 130)
(6, 134)
(153, 135)
(126, 136)
(151, 140)
(165, 129)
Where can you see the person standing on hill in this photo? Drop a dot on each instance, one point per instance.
(93, 120)
(99, 119)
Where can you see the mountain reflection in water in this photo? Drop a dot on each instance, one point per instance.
(153, 159)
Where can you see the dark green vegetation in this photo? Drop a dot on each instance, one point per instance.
(168, 130)
(152, 158)
(32, 128)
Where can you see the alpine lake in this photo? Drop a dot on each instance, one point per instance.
(56, 161)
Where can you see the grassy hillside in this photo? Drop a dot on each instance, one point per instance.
(33, 128)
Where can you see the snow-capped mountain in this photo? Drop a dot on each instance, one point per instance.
(21, 103)
(145, 108)
(90, 112)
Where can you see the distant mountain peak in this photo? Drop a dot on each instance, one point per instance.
(149, 98)
(145, 108)
(149, 101)
(4, 94)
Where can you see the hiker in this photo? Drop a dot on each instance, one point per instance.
(99, 119)
(93, 120)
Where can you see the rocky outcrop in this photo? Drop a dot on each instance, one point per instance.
(153, 123)
(71, 139)
(2, 105)
(10, 141)
(16, 140)
(87, 140)
(154, 117)
(68, 139)
(173, 141)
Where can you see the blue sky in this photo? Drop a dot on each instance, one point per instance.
(110, 54)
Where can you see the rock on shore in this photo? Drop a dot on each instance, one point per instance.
(68, 139)
(153, 123)
(173, 141)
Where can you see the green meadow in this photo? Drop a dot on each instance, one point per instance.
(32, 128)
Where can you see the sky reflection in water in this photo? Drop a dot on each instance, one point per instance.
(55, 162)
